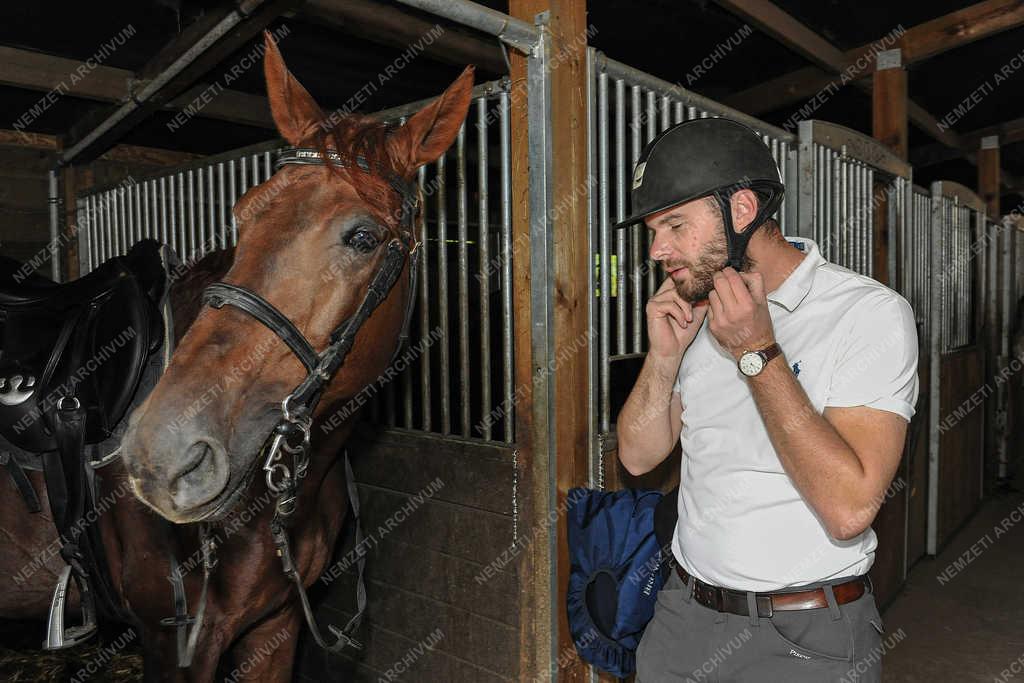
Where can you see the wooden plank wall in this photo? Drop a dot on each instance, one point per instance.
(428, 582)
(960, 446)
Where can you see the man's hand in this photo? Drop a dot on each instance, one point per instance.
(672, 323)
(738, 314)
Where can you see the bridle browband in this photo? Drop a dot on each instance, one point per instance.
(291, 433)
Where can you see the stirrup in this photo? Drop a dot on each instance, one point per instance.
(57, 636)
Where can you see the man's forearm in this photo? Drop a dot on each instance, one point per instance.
(644, 427)
(821, 464)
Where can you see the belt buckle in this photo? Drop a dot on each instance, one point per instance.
(767, 600)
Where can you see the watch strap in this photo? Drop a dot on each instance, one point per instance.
(770, 352)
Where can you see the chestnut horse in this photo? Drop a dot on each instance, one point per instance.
(311, 239)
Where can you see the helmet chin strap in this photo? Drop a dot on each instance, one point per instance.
(737, 241)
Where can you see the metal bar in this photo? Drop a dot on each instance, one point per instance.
(186, 254)
(604, 257)
(122, 221)
(199, 201)
(442, 280)
(142, 203)
(165, 232)
(514, 32)
(222, 206)
(53, 200)
(484, 252)
(542, 327)
(620, 213)
(506, 267)
(211, 212)
(232, 198)
(427, 333)
(635, 234)
(465, 391)
(937, 314)
(847, 209)
(192, 244)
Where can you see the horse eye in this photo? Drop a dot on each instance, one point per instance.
(362, 240)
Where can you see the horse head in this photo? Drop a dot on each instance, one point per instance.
(310, 241)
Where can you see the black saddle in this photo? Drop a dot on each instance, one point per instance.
(82, 343)
(71, 359)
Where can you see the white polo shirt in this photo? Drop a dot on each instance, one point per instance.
(851, 341)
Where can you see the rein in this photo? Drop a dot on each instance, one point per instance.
(287, 458)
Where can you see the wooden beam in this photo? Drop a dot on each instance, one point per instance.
(918, 43)
(889, 107)
(959, 28)
(50, 74)
(786, 29)
(570, 311)
(200, 47)
(1009, 132)
(133, 154)
(988, 175)
(392, 26)
(888, 126)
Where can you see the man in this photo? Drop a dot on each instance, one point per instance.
(789, 382)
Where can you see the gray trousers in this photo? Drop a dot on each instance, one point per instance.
(691, 643)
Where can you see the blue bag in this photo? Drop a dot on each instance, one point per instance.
(617, 568)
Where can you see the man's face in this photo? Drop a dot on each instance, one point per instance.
(689, 242)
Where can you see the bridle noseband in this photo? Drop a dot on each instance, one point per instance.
(291, 433)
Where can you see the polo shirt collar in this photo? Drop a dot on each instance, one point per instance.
(794, 288)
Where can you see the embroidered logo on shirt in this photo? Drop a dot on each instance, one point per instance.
(796, 368)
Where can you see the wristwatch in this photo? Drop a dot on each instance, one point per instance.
(751, 363)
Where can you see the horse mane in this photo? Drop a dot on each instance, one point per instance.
(357, 137)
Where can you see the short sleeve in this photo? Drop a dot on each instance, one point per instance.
(876, 363)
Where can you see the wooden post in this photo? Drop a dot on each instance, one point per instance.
(889, 126)
(988, 175)
(544, 585)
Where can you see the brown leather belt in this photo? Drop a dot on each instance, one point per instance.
(735, 602)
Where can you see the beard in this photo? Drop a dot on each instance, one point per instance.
(700, 280)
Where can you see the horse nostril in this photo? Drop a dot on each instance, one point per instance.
(203, 476)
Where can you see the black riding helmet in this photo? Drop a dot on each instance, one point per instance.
(711, 157)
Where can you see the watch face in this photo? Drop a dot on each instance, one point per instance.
(751, 363)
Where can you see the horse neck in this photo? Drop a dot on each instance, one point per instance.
(188, 285)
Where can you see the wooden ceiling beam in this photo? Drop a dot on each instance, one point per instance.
(1009, 132)
(134, 154)
(395, 27)
(58, 75)
(918, 43)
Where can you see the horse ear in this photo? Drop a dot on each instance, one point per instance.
(295, 112)
(431, 130)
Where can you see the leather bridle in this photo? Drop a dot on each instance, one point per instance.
(291, 433)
